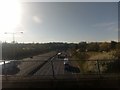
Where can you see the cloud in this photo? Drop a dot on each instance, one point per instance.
(37, 19)
(112, 28)
(109, 26)
(104, 24)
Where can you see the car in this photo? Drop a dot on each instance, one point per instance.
(66, 67)
(61, 55)
(65, 60)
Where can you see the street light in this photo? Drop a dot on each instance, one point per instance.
(13, 35)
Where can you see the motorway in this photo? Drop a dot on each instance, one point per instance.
(56, 68)
(28, 65)
(45, 66)
(47, 69)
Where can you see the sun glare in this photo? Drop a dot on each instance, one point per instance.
(10, 15)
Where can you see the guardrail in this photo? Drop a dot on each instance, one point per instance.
(55, 68)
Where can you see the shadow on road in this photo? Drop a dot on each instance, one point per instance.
(71, 69)
(10, 68)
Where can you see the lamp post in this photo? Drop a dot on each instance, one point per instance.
(13, 34)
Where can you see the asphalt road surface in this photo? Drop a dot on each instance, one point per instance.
(47, 69)
(47, 65)
(57, 68)
(28, 65)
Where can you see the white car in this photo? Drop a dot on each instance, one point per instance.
(59, 54)
(65, 60)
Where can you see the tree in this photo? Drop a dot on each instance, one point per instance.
(93, 47)
(82, 46)
(104, 46)
(117, 54)
(113, 45)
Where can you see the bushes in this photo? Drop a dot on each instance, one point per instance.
(19, 51)
(117, 54)
(101, 55)
(81, 55)
(113, 67)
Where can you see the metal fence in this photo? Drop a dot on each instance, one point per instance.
(55, 68)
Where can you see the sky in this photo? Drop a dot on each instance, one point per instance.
(67, 22)
(69, 0)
